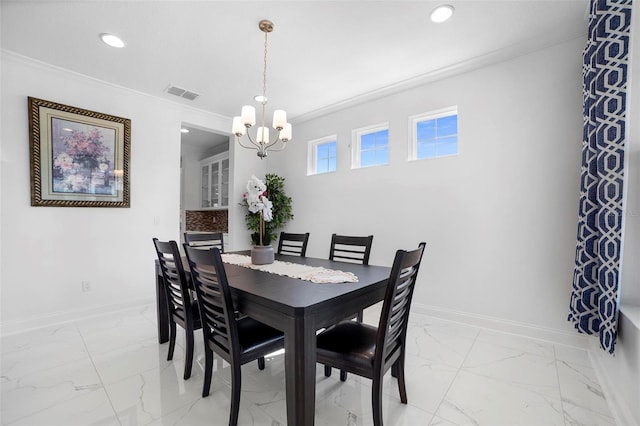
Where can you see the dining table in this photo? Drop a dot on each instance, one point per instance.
(298, 308)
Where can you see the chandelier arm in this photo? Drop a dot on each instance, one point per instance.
(284, 145)
(273, 142)
(252, 146)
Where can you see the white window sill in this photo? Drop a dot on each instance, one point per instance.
(631, 310)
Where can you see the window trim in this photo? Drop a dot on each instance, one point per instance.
(413, 130)
(356, 135)
(312, 154)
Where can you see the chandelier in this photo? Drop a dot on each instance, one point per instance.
(241, 125)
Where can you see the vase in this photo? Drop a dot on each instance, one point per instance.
(262, 255)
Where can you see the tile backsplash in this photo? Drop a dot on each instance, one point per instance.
(207, 220)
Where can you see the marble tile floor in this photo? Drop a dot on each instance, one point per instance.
(110, 370)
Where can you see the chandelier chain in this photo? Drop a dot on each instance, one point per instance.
(264, 72)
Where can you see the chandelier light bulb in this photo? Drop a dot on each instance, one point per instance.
(248, 115)
(238, 128)
(263, 134)
(279, 119)
(285, 134)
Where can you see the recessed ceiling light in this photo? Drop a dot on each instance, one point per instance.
(442, 13)
(260, 98)
(183, 130)
(112, 40)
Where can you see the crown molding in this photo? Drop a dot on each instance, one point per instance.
(481, 61)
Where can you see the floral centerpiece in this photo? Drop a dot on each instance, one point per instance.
(258, 203)
(269, 209)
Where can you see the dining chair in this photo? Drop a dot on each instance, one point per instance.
(237, 341)
(346, 248)
(293, 244)
(368, 351)
(205, 240)
(183, 309)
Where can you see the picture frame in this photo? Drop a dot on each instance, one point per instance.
(79, 158)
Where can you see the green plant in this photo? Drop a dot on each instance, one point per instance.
(280, 211)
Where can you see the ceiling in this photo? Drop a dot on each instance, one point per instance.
(203, 139)
(322, 54)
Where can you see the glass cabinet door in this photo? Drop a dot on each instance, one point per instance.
(205, 188)
(215, 181)
(215, 184)
(224, 176)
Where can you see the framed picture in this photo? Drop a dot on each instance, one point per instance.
(79, 158)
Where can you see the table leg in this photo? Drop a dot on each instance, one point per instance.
(300, 365)
(161, 308)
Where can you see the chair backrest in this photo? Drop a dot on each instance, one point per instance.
(345, 248)
(205, 240)
(214, 299)
(178, 294)
(392, 329)
(293, 244)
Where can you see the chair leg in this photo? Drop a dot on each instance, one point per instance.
(236, 383)
(360, 316)
(261, 363)
(327, 371)
(376, 401)
(188, 356)
(172, 339)
(343, 376)
(208, 370)
(399, 367)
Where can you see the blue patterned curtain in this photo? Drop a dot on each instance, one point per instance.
(594, 297)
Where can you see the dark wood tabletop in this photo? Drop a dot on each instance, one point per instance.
(298, 308)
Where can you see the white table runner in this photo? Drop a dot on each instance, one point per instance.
(314, 274)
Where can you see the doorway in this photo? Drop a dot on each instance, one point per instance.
(198, 147)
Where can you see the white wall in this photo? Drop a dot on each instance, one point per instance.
(46, 252)
(499, 219)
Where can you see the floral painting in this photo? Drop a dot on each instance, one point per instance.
(79, 158)
(83, 158)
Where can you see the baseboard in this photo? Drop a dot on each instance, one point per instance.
(621, 413)
(624, 363)
(505, 326)
(20, 326)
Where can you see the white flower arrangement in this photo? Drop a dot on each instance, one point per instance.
(257, 202)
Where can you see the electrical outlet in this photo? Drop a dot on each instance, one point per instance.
(86, 286)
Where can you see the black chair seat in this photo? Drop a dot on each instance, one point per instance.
(255, 336)
(350, 343)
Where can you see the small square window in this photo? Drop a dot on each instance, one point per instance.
(322, 156)
(434, 134)
(370, 146)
